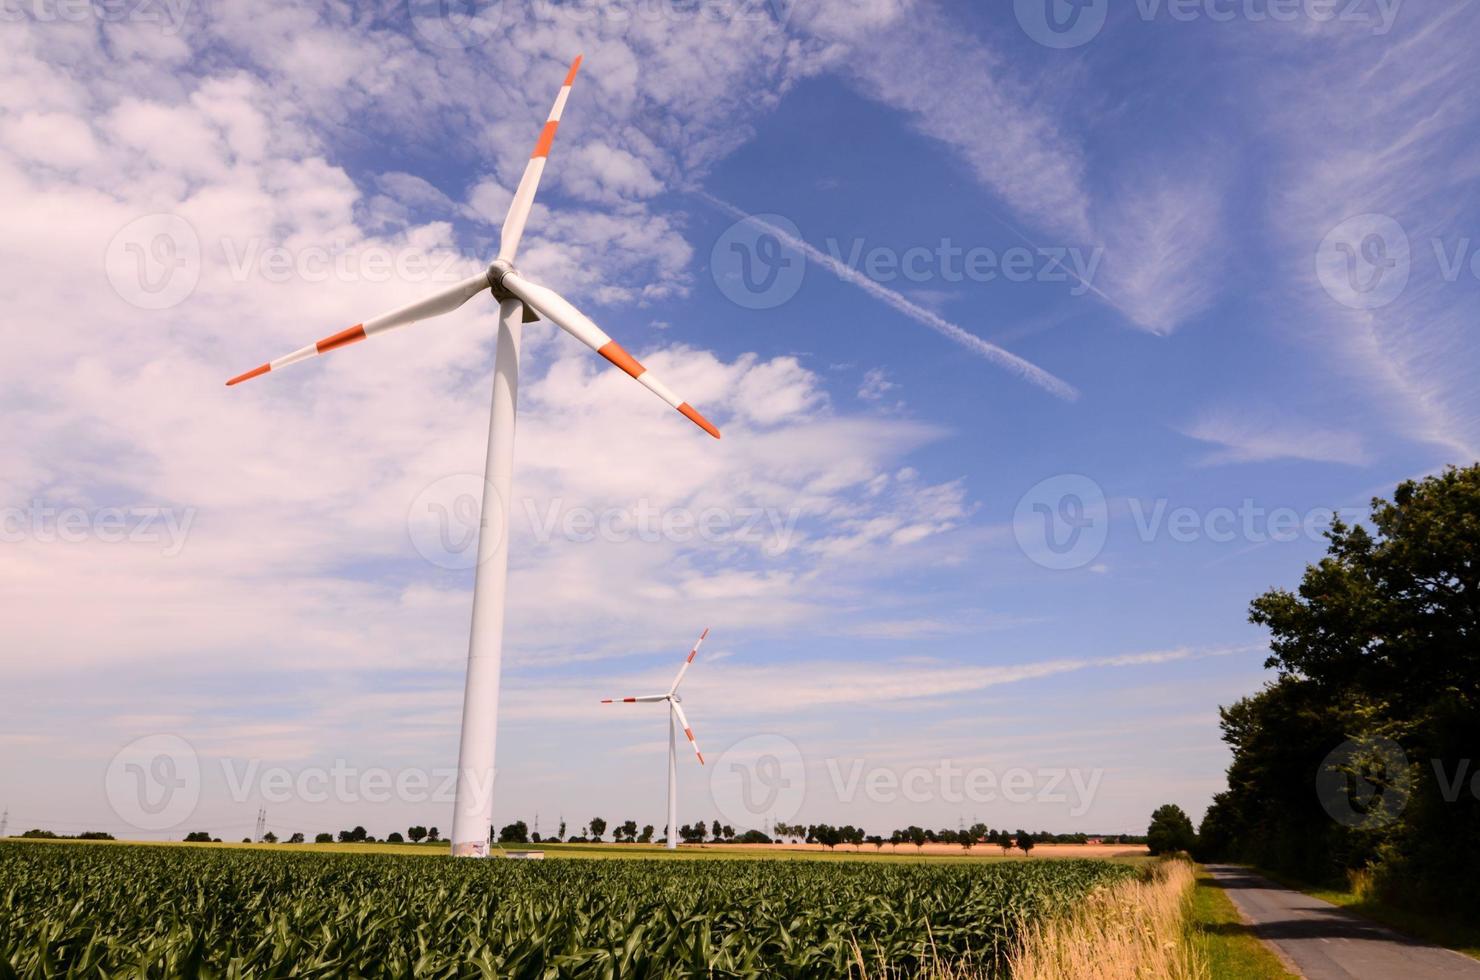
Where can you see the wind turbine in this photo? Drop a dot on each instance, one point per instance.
(520, 301)
(675, 718)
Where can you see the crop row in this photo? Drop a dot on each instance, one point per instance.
(170, 912)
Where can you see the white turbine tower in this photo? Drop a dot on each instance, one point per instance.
(520, 301)
(675, 718)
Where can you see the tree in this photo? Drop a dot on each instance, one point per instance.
(433, 836)
(514, 833)
(560, 834)
(246, 840)
(297, 837)
(269, 838)
(598, 827)
(196, 837)
(1025, 841)
(1379, 692)
(647, 834)
(395, 838)
(917, 837)
(323, 838)
(1170, 831)
(629, 830)
(417, 833)
(716, 831)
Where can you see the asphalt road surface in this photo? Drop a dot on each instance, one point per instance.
(1324, 942)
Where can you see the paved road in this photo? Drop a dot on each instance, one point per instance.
(1325, 942)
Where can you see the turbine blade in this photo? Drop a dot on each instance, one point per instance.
(555, 308)
(444, 302)
(684, 721)
(513, 229)
(678, 678)
(645, 699)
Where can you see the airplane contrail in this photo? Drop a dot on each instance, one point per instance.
(1027, 370)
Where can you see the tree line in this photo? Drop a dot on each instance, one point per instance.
(1358, 759)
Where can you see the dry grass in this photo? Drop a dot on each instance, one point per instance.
(1132, 931)
(1136, 930)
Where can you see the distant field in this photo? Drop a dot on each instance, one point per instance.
(808, 852)
(190, 910)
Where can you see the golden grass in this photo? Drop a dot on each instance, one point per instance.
(1136, 930)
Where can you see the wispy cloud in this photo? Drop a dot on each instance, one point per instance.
(1247, 437)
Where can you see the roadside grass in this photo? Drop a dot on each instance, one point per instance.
(1452, 933)
(1231, 949)
(1134, 929)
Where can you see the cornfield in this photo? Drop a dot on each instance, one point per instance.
(171, 912)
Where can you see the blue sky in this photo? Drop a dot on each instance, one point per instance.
(921, 557)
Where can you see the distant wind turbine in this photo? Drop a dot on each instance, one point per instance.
(520, 301)
(675, 718)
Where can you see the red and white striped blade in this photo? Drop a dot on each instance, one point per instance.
(678, 678)
(684, 721)
(645, 699)
(555, 308)
(444, 302)
(519, 208)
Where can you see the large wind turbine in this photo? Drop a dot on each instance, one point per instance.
(520, 301)
(675, 718)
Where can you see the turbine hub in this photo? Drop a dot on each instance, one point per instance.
(497, 269)
(674, 697)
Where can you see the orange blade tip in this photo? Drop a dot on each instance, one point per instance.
(575, 66)
(697, 419)
(255, 372)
